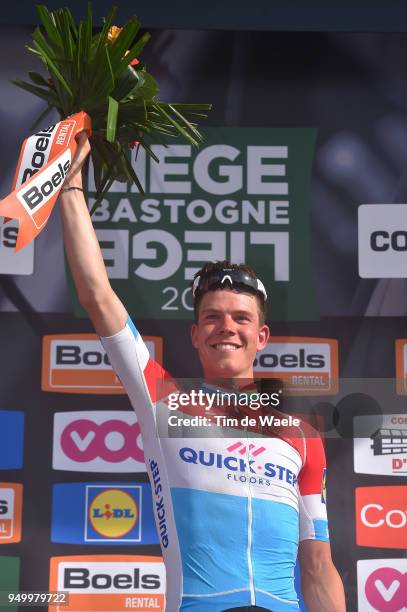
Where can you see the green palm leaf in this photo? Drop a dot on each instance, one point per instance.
(89, 71)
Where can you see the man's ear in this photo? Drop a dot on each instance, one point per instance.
(194, 335)
(264, 335)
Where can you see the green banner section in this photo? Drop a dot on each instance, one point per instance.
(9, 576)
(243, 196)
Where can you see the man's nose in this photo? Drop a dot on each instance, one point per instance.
(227, 325)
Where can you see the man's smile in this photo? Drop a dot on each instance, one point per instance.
(226, 346)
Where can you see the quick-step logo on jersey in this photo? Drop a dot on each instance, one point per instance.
(401, 366)
(103, 513)
(11, 439)
(109, 582)
(253, 467)
(78, 363)
(308, 366)
(97, 441)
(11, 500)
(381, 516)
(384, 451)
(382, 585)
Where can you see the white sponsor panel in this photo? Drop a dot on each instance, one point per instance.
(78, 354)
(6, 512)
(81, 354)
(22, 262)
(308, 366)
(109, 582)
(382, 585)
(382, 233)
(97, 441)
(380, 447)
(99, 573)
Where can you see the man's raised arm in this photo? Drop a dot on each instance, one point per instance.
(95, 293)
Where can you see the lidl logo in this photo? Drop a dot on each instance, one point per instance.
(380, 447)
(103, 513)
(401, 366)
(97, 441)
(11, 499)
(109, 582)
(382, 585)
(77, 363)
(381, 516)
(113, 513)
(308, 366)
(11, 439)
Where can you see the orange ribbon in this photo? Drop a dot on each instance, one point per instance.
(44, 162)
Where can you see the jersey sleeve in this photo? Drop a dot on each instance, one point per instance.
(140, 375)
(312, 491)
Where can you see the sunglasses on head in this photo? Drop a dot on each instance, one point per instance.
(227, 276)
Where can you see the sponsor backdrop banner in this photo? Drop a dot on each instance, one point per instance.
(303, 178)
(243, 196)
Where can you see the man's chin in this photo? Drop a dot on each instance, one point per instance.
(224, 369)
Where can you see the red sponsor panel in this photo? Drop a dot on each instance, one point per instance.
(381, 516)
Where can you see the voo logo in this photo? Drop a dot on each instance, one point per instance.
(83, 440)
(98, 441)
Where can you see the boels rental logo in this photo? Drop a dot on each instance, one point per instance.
(308, 366)
(109, 582)
(11, 499)
(77, 363)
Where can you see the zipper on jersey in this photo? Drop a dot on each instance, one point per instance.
(249, 527)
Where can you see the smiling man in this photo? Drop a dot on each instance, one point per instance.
(232, 511)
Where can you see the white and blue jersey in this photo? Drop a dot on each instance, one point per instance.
(230, 511)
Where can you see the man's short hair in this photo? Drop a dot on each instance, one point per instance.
(217, 266)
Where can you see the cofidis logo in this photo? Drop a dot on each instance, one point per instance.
(401, 366)
(381, 516)
(11, 500)
(97, 441)
(109, 582)
(103, 513)
(79, 364)
(382, 585)
(308, 366)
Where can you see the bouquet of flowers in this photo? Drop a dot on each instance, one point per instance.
(102, 75)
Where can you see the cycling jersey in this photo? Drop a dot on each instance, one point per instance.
(230, 511)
